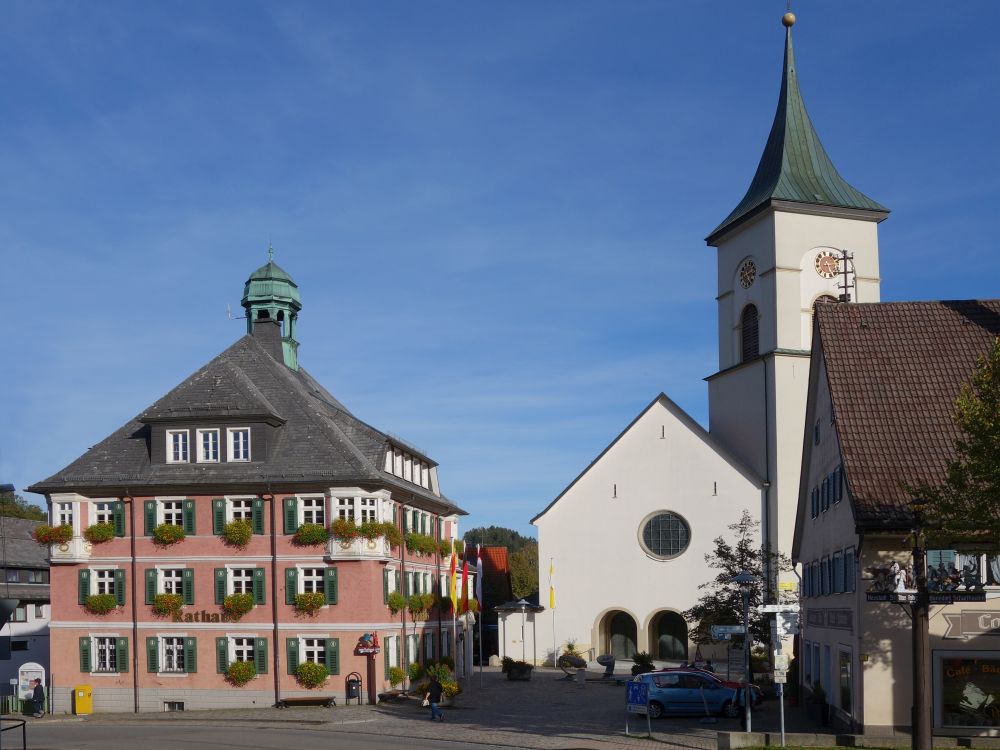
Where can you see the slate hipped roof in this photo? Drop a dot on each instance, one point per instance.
(317, 442)
(894, 372)
(20, 550)
(794, 166)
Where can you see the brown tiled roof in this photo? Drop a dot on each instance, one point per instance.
(895, 370)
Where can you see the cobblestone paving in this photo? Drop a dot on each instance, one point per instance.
(546, 713)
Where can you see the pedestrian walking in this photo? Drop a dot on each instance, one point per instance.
(38, 699)
(434, 692)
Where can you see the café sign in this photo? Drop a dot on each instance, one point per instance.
(970, 623)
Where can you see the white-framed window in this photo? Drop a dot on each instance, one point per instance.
(239, 510)
(345, 507)
(172, 654)
(103, 581)
(177, 447)
(412, 648)
(103, 512)
(312, 650)
(239, 443)
(170, 581)
(105, 654)
(407, 468)
(445, 645)
(428, 646)
(392, 647)
(368, 509)
(311, 580)
(241, 648)
(170, 512)
(241, 581)
(63, 513)
(311, 510)
(208, 446)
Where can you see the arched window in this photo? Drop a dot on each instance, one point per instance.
(749, 334)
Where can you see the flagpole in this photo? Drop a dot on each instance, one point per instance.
(555, 646)
(479, 598)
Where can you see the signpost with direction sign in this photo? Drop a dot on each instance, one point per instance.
(637, 702)
(725, 632)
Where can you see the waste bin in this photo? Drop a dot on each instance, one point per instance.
(83, 699)
(353, 688)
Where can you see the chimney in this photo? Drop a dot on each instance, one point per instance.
(268, 335)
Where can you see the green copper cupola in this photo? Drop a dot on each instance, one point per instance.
(270, 295)
(795, 168)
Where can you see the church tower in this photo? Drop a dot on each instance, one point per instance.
(781, 251)
(270, 294)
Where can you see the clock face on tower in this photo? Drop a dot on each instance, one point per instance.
(748, 273)
(827, 264)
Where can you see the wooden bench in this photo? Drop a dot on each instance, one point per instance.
(327, 701)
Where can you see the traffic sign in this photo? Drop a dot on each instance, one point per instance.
(724, 632)
(778, 608)
(780, 676)
(786, 586)
(780, 662)
(636, 697)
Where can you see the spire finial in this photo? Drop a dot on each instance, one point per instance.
(788, 20)
(270, 252)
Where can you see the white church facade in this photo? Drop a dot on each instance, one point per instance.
(782, 250)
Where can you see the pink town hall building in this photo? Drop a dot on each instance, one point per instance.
(245, 524)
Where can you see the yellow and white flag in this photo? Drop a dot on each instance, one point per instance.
(552, 588)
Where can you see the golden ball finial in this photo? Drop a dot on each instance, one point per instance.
(788, 20)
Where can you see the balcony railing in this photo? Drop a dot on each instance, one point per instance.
(359, 549)
(75, 550)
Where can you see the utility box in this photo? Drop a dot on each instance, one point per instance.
(83, 700)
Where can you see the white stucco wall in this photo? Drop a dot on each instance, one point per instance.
(663, 462)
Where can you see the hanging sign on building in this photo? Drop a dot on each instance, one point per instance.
(909, 597)
(968, 623)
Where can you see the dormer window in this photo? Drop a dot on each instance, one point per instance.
(239, 443)
(177, 446)
(208, 446)
(408, 467)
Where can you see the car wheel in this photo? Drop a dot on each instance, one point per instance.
(655, 710)
(730, 710)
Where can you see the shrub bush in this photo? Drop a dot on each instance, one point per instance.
(239, 673)
(417, 606)
(46, 534)
(415, 671)
(309, 603)
(168, 533)
(237, 533)
(100, 604)
(167, 604)
(448, 662)
(643, 662)
(396, 676)
(396, 602)
(99, 532)
(237, 605)
(344, 529)
(310, 535)
(311, 675)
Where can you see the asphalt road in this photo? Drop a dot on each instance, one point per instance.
(197, 737)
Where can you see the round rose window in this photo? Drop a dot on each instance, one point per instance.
(665, 534)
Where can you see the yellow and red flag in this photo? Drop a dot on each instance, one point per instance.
(452, 578)
(465, 585)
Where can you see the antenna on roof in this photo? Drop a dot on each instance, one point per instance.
(847, 271)
(229, 314)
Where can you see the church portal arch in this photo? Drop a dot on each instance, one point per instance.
(619, 634)
(668, 636)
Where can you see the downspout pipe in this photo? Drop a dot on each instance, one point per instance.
(129, 500)
(274, 595)
(768, 582)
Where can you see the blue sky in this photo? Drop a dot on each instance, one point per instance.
(495, 212)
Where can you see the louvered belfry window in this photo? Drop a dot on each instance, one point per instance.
(749, 334)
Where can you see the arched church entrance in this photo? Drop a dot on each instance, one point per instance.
(621, 634)
(669, 636)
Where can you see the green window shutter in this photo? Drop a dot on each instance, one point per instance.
(83, 586)
(395, 514)
(218, 515)
(191, 655)
(121, 655)
(220, 586)
(85, 655)
(408, 584)
(187, 586)
(385, 585)
(120, 587)
(258, 585)
(425, 525)
(150, 585)
(149, 517)
(396, 578)
(330, 585)
(189, 517)
(260, 655)
(291, 514)
(385, 660)
(332, 655)
(292, 654)
(118, 517)
(291, 585)
(221, 655)
(152, 654)
(257, 509)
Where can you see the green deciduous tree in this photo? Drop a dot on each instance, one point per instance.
(15, 506)
(524, 570)
(966, 505)
(721, 602)
(497, 536)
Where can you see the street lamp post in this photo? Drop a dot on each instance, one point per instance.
(921, 719)
(744, 580)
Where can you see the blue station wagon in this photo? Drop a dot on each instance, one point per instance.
(678, 692)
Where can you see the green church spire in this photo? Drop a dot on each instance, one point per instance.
(794, 166)
(270, 294)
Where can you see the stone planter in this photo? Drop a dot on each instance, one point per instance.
(519, 674)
